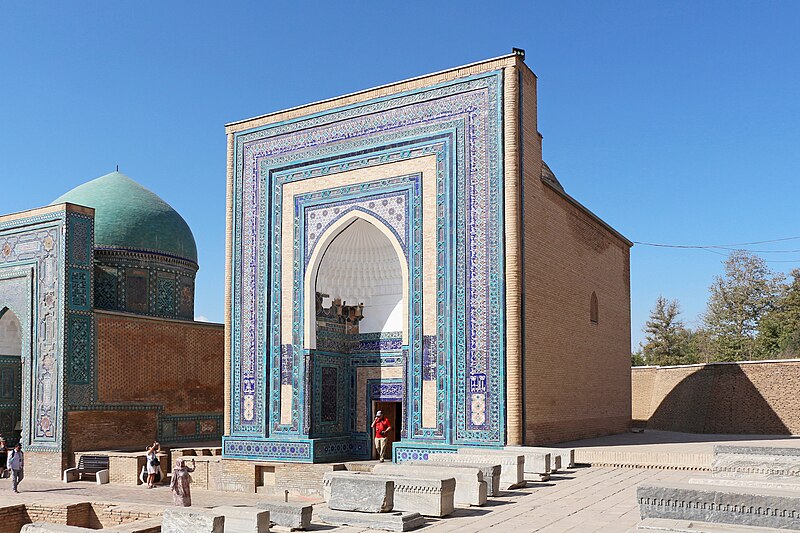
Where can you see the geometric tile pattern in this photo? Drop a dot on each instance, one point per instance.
(463, 118)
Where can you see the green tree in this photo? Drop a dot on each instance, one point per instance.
(637, 359)
(737, 303)
(779, 329)
(667, 339)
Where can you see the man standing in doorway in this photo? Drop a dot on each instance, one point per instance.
(16, 463)
(382, 428)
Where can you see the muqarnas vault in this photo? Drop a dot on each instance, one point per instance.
(406, 249)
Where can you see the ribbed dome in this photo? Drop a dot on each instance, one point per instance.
(360, 266)
(130, 217)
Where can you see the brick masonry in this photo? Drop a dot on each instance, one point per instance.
(758, 397)
(149, 368)
(576, 382)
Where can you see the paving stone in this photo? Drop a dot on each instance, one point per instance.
(289, 515)
(243, 519)
(392, 521)
(691, 526)
(191, 521)
(361, 492)
(471, 489)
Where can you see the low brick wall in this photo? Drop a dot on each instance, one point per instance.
(92, 515)
(754, 397)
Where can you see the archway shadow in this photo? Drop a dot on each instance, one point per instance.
(717, 399)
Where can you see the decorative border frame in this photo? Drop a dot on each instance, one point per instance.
(473, 340)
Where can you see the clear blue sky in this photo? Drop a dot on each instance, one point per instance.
(676, 122)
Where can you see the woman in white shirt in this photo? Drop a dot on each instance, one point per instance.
(152, 464)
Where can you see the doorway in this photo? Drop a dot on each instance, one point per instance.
(394, 412)
(10, 376)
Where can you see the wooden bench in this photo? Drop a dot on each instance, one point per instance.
(94, 465)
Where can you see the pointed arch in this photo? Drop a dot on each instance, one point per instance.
(594, 310)
(318, 253)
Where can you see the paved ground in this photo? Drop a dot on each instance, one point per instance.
(579, 500)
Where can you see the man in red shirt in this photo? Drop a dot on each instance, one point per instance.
(382, 427)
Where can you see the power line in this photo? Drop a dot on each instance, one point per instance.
(722, 246)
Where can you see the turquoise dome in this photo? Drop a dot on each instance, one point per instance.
(130, 217)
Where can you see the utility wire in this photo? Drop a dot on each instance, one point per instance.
(722, 246)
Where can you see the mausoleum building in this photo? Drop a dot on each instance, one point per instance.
(405, 248)
(99, 349)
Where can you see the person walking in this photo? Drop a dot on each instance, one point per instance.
(16, 463)
(382, 427)
(181, 494)
(153, 464)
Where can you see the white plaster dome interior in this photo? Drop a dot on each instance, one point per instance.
(362, 266)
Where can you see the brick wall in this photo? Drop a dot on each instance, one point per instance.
(45, 465)
(174, 363)
(110, 430)
(758, 397)
(576, 373)
(176, 367)
(81, 514)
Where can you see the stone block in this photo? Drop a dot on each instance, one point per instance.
(491, 473)
(512, 473)
(560, 458)
(722, 505)
(289, 515)
(46, 527)
(101, 477)
(243, 519)
(756, 463)
(361, 492)
(534, 463)
(190, 521)
(471, 488)
(395, 521)
(427, 495)
(70, 474)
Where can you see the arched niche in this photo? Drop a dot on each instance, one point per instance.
(378, 269)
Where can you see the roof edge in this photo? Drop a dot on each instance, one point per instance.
(230, 126)
(44, 210)
(589, 212)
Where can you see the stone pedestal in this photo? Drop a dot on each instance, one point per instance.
(243, 519)
(565, 456)
(512, 473)
(716, 504)
(396, 521)
(470, 489)
(188, 521)
(362, 493)
(490, 472)
(289, 515)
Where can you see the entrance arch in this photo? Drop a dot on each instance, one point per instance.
(366, 229)
(11, 342)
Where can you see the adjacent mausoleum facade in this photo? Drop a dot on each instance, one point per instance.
(99, 349)
(406, 249)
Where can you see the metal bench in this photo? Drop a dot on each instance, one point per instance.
(94, 465)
